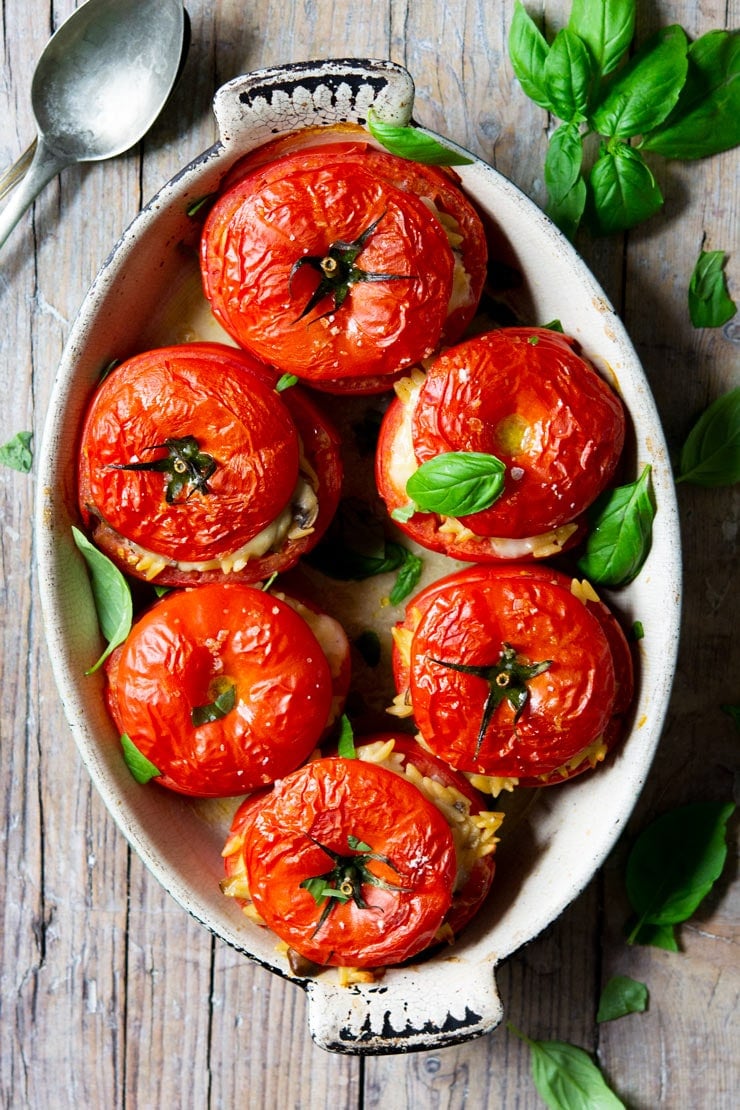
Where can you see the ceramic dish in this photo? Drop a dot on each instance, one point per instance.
(145, 291)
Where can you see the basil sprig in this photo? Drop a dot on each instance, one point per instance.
(566, 1076)
(16, 453)
(457, 483)
(710, 304)
(621, 996)
(673, 98)
(620, 536)
(711, 454)
(409, 142)
(672, 866)
(111, 594)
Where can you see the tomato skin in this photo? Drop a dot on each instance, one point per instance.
(122, 508)
(525, 396)
(233, 633)
(466, 618)
(273, 217)
(331, 799)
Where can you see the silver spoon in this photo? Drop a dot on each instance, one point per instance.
(99, 85)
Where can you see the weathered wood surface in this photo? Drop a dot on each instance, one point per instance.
(111, 995)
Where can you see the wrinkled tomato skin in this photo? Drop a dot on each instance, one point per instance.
(262, 226)
(226, 401)
(321, 447)
(466, 618)
(169, 664)
(330, 800)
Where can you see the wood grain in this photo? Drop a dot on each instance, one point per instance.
(111, 995)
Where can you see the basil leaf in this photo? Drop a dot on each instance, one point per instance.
(706, 118)
(457, 483)
(567, 76)
(566, 188)
(16, 453)
(346, 743)
(675, 862)
(111, 594)
(528, 52)
(710, 304)
(140, 767)
(407, 579)
(285, 381)
(623, 190)
(621, 533)
(642, 95)
(621, 996)
(409, 142)
(355, 546)
(216, 709)
(567, 1078)
(655, 936)
(607, 29)
(711, 453)
(368, 645)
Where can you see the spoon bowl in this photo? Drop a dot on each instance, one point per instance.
(99, 85)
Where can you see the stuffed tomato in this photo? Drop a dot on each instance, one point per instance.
(515, 672)
(364, 862)
(225, 687)
(343, 264)
(193, 468)
(511, 435)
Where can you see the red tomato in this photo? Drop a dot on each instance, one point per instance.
(326, 270)
(525, 396)
(188, 454)
(569, 663)
(194, 645)
(359, 828)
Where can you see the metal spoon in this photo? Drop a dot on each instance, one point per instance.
(99, 85)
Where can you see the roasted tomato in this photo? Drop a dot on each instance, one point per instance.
(473, 828)
(193, 468)
(514, 672)
(349, 863)
(225, 687)
(524, 396)
(335, 264)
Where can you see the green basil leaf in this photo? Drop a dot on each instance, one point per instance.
(411, 143)
(16, 453)
(368, 645)
(623, 190)
(567, 76)
(621, 996)
(567, 1078)
(407, 578)
(706, 118)
(528, 52)
(285, 381)
(621, 533)
(645, 91)
(566, 188)
(346, 743)
(675, 862)
(607, 28)
(710, 304)
(457, 483)
(111, 594)
(404, 512)
(655, 936)
(140, 767)
(711, 453)
(638, 631)
(216, 709)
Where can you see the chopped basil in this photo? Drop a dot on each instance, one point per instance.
(620, 534)
(711, 453)
(140, 767)
(346, 743)
(457, 483)
(111, 594)
(409, 142)
(710, 304)
(621, 996)
(285, 381)
(16, 453)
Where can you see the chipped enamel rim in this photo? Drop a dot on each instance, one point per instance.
(558, 844)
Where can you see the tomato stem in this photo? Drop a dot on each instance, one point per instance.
(184, 465)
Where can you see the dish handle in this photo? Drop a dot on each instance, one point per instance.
(254, 108)
(407, 1010)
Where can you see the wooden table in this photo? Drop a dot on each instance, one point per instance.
(111, 995)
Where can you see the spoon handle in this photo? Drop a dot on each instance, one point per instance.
(10, 178)
(45, 165)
